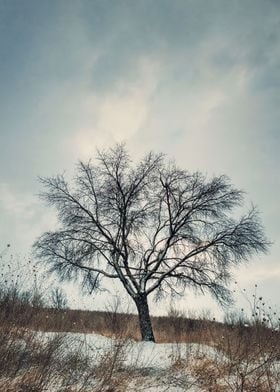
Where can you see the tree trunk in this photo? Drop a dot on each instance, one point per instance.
(144, 318)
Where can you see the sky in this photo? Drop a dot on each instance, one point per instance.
(196, 80)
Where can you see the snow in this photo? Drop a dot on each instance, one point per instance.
(153, 360)
(136, 354)
(151, 367)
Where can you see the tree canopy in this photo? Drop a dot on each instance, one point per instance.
(153, 226)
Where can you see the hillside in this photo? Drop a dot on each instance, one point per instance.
(55, 350)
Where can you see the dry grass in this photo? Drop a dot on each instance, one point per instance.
(248, 349)
(246, 360)
(28, 363)
(21, 310)
(250, 375)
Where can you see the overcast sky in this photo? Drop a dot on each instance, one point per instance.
(197, 80)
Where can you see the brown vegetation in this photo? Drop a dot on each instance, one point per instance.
(247, 349)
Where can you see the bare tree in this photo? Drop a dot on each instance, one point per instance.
(154, 227)
(58, 299)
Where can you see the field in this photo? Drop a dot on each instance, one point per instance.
(52, 349)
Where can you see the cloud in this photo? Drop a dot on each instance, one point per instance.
(197, 80)
(117, 115)
(24, 218)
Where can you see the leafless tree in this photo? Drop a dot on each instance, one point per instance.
(154, 227)
(58, 299)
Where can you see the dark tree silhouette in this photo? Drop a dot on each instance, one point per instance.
(156, 228)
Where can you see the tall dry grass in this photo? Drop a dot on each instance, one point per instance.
(247, 347)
